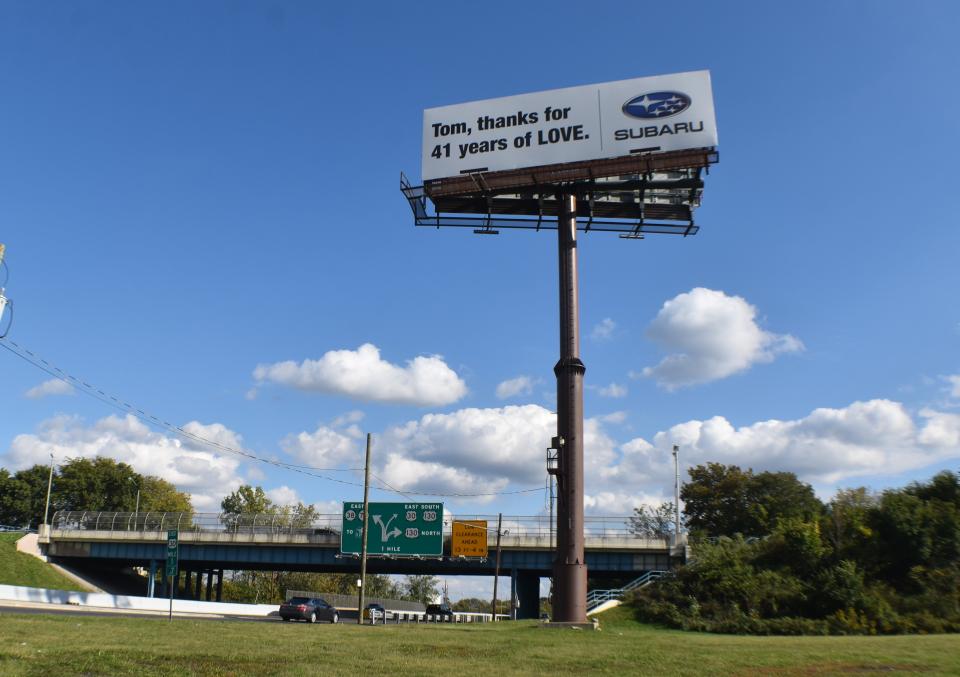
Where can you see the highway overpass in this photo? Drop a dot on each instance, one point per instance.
(211, 543)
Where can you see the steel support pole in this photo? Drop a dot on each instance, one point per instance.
(569, 568)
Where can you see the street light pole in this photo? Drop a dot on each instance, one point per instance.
(46, 509)
(676, 492)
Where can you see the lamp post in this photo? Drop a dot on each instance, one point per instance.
(676, 492)
(136, 510)
(46, 509)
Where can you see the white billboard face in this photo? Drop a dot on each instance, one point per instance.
(660, 113)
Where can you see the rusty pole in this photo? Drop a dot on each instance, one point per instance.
(569, 568)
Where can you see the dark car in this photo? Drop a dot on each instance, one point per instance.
(309, 609)
(443, 610)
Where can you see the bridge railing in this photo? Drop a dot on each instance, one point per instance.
(514, 530)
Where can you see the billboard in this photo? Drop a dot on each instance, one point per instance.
(394, 529)
(592, 122)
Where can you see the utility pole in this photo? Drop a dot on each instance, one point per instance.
(676, 493)
(363, 536)
(46, 509)
(496, 571)
(569, 567)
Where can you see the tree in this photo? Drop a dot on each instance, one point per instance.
(423, 589)
(85, 485)
(34, 479)
(650, 522)
(721, 500)
(845, 523)
(99, 483)
(247, 500)
(241, 507)
(14, 500)
(157, 495)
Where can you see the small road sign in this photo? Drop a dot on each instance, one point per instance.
(173, 551)
(469, 538)
(394, 529)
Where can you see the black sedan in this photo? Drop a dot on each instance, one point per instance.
(308, 609)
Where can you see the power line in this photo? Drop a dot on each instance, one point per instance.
(110, 400)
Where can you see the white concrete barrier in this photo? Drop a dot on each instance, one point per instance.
(105, 601)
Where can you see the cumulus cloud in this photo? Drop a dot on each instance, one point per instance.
(53, 386)
(325, 447)
(191, 466)
(521, 385)
(603, 330)
(480, 450)
(826, 447)
(362, 374)
(710, 336)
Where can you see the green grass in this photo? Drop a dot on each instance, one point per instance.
(73, 645)
(17, 568)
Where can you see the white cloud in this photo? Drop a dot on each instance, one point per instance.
(54, 386)
(710, 336)
(351, 417)
(827, 447)
(954, 382)
(613, 390)
(283, 495)
(521, 385)
(192, 467)
(325, 447)
(492, 445)
(613, 417)
(618, 502)
(603, 330)
(480, 450)
(363, 375)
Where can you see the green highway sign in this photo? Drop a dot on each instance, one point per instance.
(394, 529)
(173, 546)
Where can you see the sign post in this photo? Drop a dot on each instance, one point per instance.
(173, 558)
(394, 529)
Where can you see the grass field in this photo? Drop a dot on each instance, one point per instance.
(16, 568)
(72, 645)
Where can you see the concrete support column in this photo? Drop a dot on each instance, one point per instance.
(152, 580)
(220, 585)
(209, 584)
(528, 594)
(199, 584)
(186, 585)
(513, 594)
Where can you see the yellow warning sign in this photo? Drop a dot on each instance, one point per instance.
(469, 538)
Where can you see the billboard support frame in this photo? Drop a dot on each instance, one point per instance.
(633, 192)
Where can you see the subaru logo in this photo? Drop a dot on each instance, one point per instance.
(656, 105)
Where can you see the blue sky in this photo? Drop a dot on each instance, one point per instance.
(191, 191)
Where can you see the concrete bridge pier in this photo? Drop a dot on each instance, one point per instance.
(525, 590)
(152, 580)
